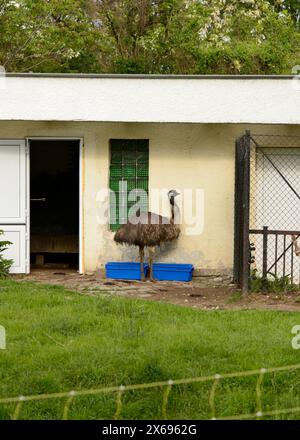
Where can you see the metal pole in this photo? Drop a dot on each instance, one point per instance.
(238, 214)
(265, 251)
(245, 205)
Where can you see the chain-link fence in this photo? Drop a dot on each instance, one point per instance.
(274, 207)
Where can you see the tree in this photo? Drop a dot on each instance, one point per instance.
(42, 35)
(149, 36)
(288, 6)
(246, 36)
(204, 36)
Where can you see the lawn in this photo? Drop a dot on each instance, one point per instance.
(59, 340)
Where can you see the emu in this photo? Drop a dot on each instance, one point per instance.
(150, 230)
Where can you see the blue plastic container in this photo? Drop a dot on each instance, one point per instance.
(124, 271)
(172, 272)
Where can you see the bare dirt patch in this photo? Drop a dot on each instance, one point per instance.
(195, 294)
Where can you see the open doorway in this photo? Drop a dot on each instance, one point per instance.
(54, 203)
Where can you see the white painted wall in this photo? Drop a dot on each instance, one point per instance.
(256, 101)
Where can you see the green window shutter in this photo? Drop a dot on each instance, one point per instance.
(129, 163)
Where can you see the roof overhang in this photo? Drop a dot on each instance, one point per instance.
(141, 98)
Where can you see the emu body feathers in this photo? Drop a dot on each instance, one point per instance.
(151, 230)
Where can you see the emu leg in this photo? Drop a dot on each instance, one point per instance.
(151, 254)
(141, 250)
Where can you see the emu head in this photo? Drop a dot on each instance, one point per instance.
(172, 194)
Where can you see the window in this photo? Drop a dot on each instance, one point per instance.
(129, 170)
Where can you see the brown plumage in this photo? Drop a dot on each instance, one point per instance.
(149, 231)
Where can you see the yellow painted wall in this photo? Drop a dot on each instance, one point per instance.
(181, 156)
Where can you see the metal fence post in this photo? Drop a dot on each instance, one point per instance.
(242, 195)
(245, 204)
(265, 251)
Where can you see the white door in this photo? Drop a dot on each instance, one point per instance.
(14, 202)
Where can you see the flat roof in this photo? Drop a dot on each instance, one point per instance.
(206, 99)
(141, 76)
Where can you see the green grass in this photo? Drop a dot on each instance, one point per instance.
(59, 341)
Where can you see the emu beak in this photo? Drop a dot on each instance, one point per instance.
(176, 193)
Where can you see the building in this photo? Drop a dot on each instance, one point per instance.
(60, 133)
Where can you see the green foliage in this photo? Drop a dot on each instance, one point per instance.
(215, 36)
(5, 264)
(275, 285)
(46, 36)
(291, 7)
(150, 36)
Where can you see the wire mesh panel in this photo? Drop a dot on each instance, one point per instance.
(274, 219)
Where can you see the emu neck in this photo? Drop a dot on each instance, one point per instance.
(174, 211)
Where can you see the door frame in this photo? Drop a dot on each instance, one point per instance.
(81, 191)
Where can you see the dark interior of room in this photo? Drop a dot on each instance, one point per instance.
(54, 203)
